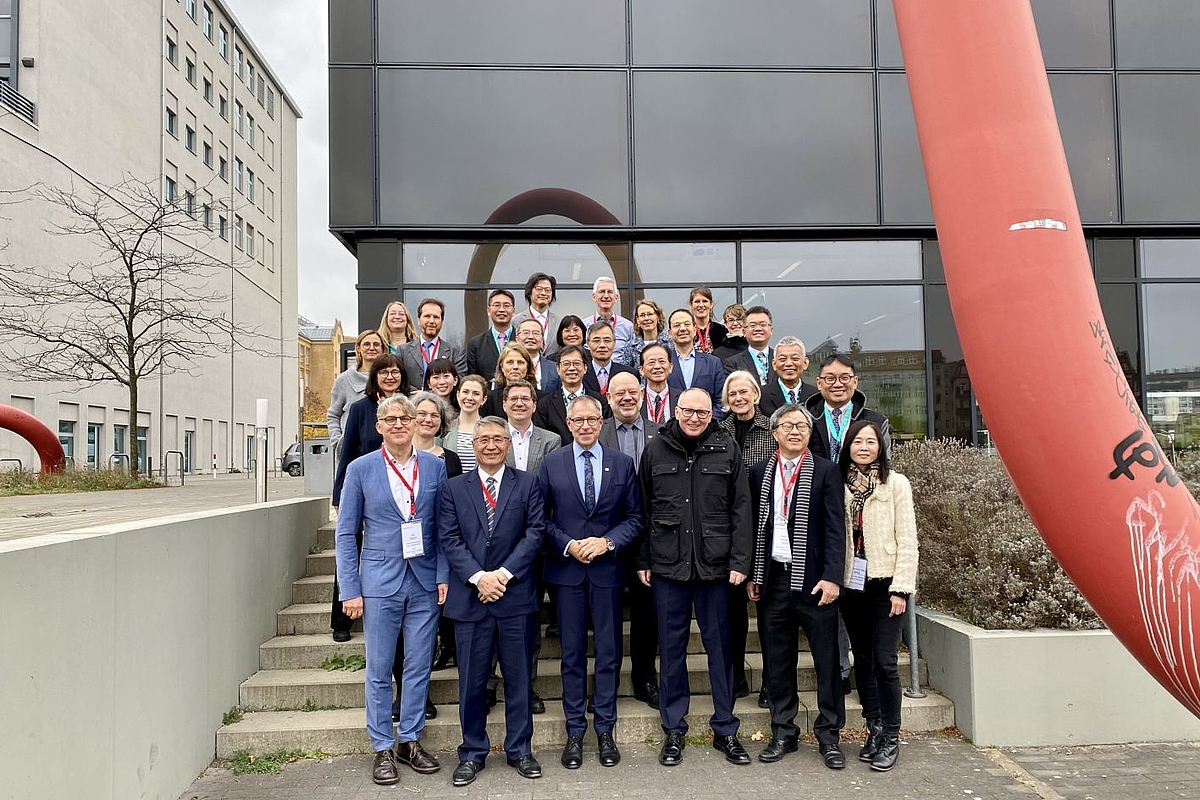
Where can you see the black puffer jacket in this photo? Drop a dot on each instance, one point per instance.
(697, 506)
(819, 443)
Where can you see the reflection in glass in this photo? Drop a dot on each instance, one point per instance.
(905, 192)
(1160, 115)
(881, 327)
(1170, 258)
(1084, 107)
(1114, 259)
(952, 402)
(1119, 303)
(1173, 362)
(671, 298)
(831, 261)
(682, 262)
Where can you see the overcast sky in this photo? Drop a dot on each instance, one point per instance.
(292, 38)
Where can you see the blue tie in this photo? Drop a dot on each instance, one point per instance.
(762, 369)
(589, 482)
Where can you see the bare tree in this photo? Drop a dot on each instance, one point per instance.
(143, 303)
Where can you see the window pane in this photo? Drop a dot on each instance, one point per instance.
(1170, 258)
(722, 148)
(1160, 115)
(671, 298)
(1074, 33)
(1120, 306)
(881, 326)
(830, 261)
(511, 264)
(456, 145)
(1084, 107)
(887, 36)
(682, 262)
(351, 148)
(512, 32)
(829, 33)
(952, 401)
(379, 262)
(1114, 259)
(351, 25)
(1158, 34)
(905, 192)
(1172, 363)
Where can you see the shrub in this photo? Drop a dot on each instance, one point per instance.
(982, 559)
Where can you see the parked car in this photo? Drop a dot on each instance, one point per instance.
(291, 460)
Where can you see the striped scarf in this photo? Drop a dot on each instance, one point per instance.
(799, 520)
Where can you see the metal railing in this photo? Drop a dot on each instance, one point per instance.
(117, 458)
(914, 667)
(166, 463)
(20, 104)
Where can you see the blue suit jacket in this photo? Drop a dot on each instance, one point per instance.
(550, 379)
(516, 540)
(709, 375)
(367, 501)
(617, 515)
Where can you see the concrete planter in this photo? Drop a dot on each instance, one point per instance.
(1046, 687)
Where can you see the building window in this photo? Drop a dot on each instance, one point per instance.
(223, 43)
(261, 87)
(8, 40)
(223, 228)
(249, 240)
(223, 171)
(169, 189)
(250, 75)
(189, 138)
(237, 174)
(66, 437)
(271, 103)
(189, 204)
(208, 23)
(237, 62)
(189, 450)
(208, 91)
(172, 51)
(250, 129)
(172, 122)
(237, 116)
(206, 216)
(189, 71)
(143, 438)
(208, 155)
(190, 7)
(250, 185)
(238, 226)
(95, 431)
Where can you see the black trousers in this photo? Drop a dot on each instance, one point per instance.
(739, 629)
(781, 615)
(643, 632)
(875, 637)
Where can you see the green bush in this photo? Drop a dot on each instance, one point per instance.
(72, 479)
(982, 559)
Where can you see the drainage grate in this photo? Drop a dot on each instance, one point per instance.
(36, 514)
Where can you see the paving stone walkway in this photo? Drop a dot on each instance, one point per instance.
(931, 767)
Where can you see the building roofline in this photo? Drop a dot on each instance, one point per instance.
(240, 30)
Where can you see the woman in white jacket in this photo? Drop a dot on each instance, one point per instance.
(881, 575)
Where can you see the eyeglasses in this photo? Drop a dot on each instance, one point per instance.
(833, 379)
(519, 398)
(571, 364)
(792, 427)
(388, 373)
(392, 422)
(486, 440)
(698, 413)
(423, 415)
(371, 346)
(756, 326)
(585, 420)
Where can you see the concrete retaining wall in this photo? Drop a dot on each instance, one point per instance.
(1047, 687)
(125, 644)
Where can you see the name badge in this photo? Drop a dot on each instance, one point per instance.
(858, 574)
(412, 539)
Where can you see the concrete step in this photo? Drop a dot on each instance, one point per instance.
(313, 589)
(308, 650)
(299, 688)
(343, 731)
(325, 536)
(322, 563)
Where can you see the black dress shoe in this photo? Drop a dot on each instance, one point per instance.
(431, 711)
(572, 754)
(777, 748)
(741, 690)
(491, 700)
(833, 756)
(591, 705)
(763, 700)
(526, 766)
(383, 771)
(671, 754)
(341, 636)
(552, 630)
(465, 772)
(609, 754)
(648, 694)
(732, 748)
(538, 704)
(888, 752)
(846, 685)
(871, 747)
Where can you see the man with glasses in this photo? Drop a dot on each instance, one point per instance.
(699, 541)
(756, 358)
(483, 351)
(600, 342)
(604, 295)
(417, 355)
(491, 523)
(788, 364)
(530, 444)
(541, 290)
(693, 369)
(551, 412)
(545, 371)
(397, 584)
(799, 555)
(660, 396)
(594, 512)
(838, 405)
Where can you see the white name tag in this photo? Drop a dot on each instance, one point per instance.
(858, 574)
(412, 539)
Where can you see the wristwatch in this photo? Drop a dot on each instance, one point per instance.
(611, 545)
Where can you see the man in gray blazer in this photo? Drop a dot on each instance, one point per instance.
(417, 354)
(529, 442)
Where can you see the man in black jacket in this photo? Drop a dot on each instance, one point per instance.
(799, 557)
(839, 404)
(699, 540)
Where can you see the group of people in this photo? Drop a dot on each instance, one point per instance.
(673, 464)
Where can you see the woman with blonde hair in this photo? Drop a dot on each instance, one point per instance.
(396, 326)
(514, 363)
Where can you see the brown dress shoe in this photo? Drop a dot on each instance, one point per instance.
(384, 772)
(417, 757)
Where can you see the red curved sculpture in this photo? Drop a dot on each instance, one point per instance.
(31, 429)
(1083, 458)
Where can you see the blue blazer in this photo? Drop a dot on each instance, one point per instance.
(516, 540)
(617, 515)
(708, 374)
(549, 377)
(367, 501)
(359, 437)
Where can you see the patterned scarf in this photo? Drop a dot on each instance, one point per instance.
(861, 485)
(799, 526)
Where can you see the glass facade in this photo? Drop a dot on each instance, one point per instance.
(764, 148)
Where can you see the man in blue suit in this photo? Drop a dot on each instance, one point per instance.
(398, 582)
(593, 507)
(491, 524)
(692, 368)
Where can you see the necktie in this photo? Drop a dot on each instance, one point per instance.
(835, 444)
(568, 398)
(658, 411)
(491, 509)
(589, 482)
(788, 466)
(762, 368)
(792, 395)
(500, 339)
(836, 413)
(602, 377)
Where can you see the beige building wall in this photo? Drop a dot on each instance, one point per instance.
(102, 103)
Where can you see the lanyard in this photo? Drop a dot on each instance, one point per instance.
(836, 433)
(657, 409)
(788, 486)
(487, 496)
(412, 495)
(702, 339)
(545, 325)
(437, 345)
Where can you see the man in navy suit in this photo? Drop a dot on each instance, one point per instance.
(593, 508)
(693, 369)
(398, 582)
(483, 351)
(545, 371)
(491, 523)
(601, 340)
(551, 412)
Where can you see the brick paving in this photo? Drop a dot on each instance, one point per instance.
(1114, 772)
